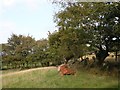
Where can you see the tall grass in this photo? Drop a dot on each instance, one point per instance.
(50, 78)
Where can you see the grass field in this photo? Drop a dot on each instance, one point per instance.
(50, 78)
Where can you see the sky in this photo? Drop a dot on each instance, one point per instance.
(26, 17)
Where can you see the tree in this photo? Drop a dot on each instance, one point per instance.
(24, 52)
(53, 50)
(41, 52)
(96, 24)
(67, 44)
(18, 48)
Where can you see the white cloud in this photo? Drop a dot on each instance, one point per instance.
(8, 3)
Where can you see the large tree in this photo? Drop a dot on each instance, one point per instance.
(96, 24)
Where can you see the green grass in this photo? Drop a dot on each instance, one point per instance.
(51, 79)
(9, 71)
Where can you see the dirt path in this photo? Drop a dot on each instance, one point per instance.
(29, 70)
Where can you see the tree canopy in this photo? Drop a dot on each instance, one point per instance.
(94, 24)
(22, 51)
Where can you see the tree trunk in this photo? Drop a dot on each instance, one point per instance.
(100, 56)
(116, 56)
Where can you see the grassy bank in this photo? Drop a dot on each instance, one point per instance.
(50, 78)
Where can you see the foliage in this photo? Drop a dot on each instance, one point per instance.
(95, 24)
(20, 51)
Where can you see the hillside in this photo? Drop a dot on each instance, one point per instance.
(49, 77)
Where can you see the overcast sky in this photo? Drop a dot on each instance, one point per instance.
(33, 17)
